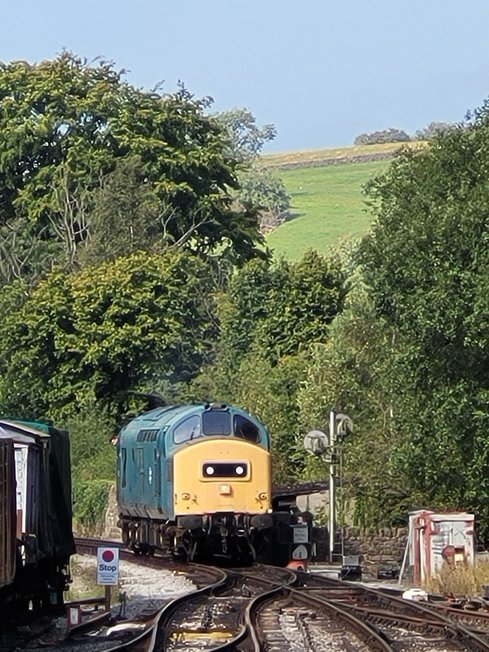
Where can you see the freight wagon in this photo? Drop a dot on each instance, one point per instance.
(36, 514)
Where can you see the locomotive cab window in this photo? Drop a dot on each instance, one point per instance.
(187, 430)
(245, 428)
(216, 422)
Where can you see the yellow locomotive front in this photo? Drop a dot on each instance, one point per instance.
(222, 487)
(218, 475)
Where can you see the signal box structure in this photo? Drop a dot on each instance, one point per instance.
(439, 539)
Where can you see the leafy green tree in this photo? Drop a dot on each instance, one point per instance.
(246, 139)
(432, 130)
(390, 135)
(257, 185)
(262, 188)
(126, 217)
(270, 317)
(94, 336)
(93, 463)
(64, 125)
(427, 262)
(354, 372)
(283, 307)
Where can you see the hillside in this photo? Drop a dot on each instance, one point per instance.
(327, 205)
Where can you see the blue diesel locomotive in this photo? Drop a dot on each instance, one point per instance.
(196, 479)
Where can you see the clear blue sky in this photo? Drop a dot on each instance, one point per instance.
(322, 71)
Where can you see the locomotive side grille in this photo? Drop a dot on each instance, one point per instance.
(147, 434)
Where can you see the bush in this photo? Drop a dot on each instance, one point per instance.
(385, 136)
(93, 462)
(90, 499)
(432, 130)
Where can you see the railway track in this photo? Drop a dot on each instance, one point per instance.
(262, 608)
(403, 623)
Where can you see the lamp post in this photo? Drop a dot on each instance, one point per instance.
(319, 444)
(332, 484)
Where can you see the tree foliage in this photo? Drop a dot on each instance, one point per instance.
(93, 336)
(390, 135)
(427, 262)
(432, 130)
(64, 126)
(257, 186)
(269, 318)
(354, 372)
(246, 139)
(283, 307)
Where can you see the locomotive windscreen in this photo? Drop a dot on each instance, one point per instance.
(216, 422)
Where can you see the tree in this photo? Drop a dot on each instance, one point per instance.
(282, 307)
(246, 139)
(86, 338)
(126, 216)
(390, 135)
(427, 263)
(64, 125)
(270, 317)
(354, 372)
(257, 185)
(432, 130)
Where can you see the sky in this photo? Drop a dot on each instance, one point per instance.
(321, 71)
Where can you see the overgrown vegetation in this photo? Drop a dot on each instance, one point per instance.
(460, 581)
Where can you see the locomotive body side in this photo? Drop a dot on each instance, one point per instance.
(144, 470)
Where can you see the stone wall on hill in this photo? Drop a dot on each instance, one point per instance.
(337, 160)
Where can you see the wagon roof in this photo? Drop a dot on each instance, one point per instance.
(19, 431)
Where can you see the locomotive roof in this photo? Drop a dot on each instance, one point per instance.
(167, 416)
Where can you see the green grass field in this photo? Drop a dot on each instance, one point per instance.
(327, 206)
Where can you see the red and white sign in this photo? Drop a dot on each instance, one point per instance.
(108, 566)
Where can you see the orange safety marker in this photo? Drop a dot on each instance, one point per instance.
(299, 565)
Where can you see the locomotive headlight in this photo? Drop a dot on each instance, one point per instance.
(213, 470)
(263, 495)
(225, 489)
(185, 496)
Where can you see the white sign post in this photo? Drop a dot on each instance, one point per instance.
(107, 570)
